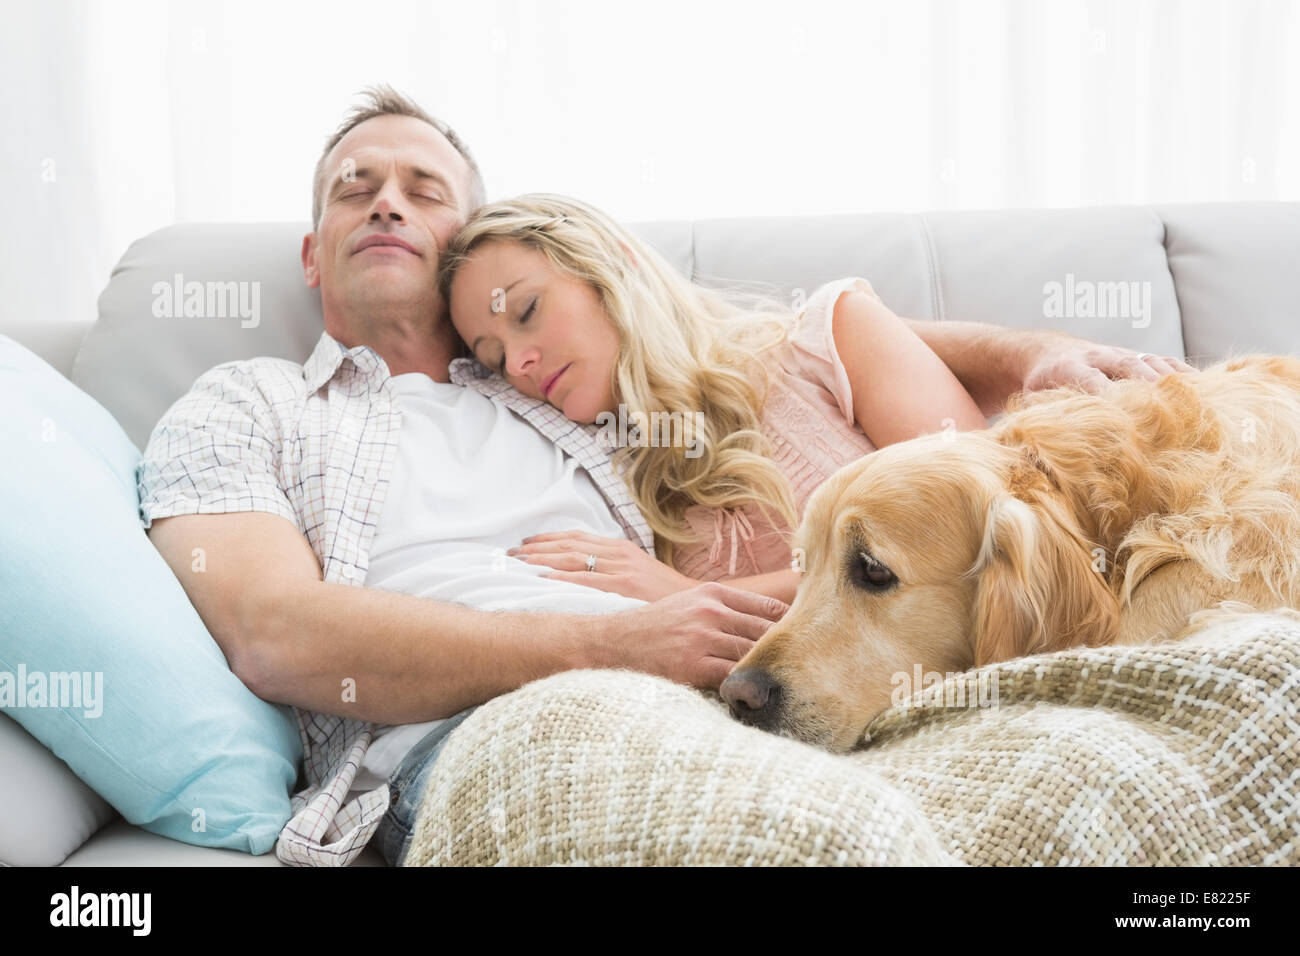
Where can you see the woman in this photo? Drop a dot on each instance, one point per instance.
(573, 309)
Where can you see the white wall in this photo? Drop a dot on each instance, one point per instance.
(123, 117)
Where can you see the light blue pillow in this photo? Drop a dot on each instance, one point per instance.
(163, 730)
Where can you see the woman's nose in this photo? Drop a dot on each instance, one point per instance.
(519, 361)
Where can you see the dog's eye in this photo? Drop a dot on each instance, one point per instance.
(869, 574)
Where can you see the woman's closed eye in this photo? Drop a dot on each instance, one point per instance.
(524, 317)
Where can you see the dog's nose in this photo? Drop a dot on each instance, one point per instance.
(753, 696)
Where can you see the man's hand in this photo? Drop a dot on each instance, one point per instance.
(1065, 360)
(693, 637)
(993, 363)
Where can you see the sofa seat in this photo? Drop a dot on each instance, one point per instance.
(120, 844)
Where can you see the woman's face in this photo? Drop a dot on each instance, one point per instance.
(543, 329)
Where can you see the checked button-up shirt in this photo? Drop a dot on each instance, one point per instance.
(316, 444)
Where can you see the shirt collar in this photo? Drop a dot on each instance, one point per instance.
(324, 362)
(473, 374)
(467, 371)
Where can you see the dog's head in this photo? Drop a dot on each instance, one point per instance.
(945, 552)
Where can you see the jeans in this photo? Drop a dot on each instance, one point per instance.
(406, 787)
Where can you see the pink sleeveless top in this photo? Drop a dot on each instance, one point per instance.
(810, 422)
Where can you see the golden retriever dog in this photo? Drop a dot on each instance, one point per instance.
(1076, 520)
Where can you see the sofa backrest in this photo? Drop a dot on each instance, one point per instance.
(1195, 280)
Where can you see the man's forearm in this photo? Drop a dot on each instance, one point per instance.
(393, 658)
(988, 360)
(355, 651)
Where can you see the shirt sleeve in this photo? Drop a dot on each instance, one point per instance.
(812, 354)
(216, 451)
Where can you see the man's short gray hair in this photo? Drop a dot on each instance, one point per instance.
(383, 100)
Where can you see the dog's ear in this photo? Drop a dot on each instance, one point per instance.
(1030, 473)
(1037, 589)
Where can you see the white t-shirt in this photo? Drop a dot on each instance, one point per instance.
(470, 481)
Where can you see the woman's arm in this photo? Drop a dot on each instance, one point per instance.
(625, 569)
(901, 388)
(778, 584)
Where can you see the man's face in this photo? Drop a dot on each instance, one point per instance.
(394, 192)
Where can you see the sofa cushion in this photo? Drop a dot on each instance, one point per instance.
(150, 344)
(102, 657)
(45, 811)
(1233, 264)
(1097, 273)
(120, 844)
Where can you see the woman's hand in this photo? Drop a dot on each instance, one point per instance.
(621, 566)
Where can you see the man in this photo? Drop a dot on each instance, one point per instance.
(323, 496)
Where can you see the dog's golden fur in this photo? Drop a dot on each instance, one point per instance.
(1076, 520)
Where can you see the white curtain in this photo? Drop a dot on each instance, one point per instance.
(123, 117)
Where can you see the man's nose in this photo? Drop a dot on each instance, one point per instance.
(754, 697)
(388, 204)
(383, 209)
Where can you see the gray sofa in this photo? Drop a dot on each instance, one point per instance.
(1200, 281)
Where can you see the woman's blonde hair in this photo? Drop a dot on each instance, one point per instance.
(684, 349)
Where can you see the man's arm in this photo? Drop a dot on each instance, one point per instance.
(393, 658)
(993, 362)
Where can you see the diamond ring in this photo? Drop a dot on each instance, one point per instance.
(591, 562)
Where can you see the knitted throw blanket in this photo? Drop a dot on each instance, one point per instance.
(1183, 753)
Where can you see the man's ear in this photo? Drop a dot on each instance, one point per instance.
(1037, 589)
(310, 271)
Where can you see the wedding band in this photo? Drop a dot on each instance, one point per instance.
(591, 562)
(1143, 356)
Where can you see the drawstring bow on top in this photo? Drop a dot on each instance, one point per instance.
(742, 533)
